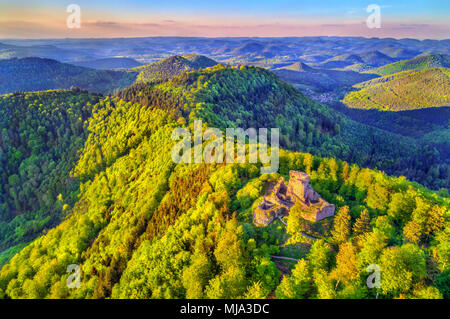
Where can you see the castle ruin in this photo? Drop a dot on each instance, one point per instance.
(281, 199)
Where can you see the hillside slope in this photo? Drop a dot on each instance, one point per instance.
(405, 90)
(37, 74)
(416, 64)
(40, 134)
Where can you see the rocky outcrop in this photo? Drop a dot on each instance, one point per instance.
(283, 197)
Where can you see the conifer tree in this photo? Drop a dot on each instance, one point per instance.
(347, 265)
(319, 255)
(297, 285)
(412, 232)
(341, 229)
(362, 224)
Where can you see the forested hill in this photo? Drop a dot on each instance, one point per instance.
(144, 227)
(420, 63)
(37, 74)
(246, 97)
(172, 66)
(406, 90)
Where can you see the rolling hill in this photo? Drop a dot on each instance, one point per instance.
(341, 61)
(220, 96)
(399, 52)
(298, 66)
(357, 67)
(375, 58)
(36, 74)
(251, 48)
(172, 66)
(370, 59)
(302, 75)
(406, 90)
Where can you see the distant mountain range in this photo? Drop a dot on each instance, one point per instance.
(46, 50)
(265, 52)
(109, 63)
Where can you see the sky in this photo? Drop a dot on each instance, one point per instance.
(225, 18)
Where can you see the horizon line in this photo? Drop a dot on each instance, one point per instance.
(225, 37)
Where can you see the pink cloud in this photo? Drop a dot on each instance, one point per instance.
(24, 29)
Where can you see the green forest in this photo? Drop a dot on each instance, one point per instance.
(40, 135)
(89, 180)
(144, 227)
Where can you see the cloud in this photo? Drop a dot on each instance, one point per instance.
(17, 28)
(112, 28)
(103, 23)
(412, 26)
(123, 25)
(337, 25)
(415, 25)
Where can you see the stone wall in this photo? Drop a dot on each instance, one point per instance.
(299, 187)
